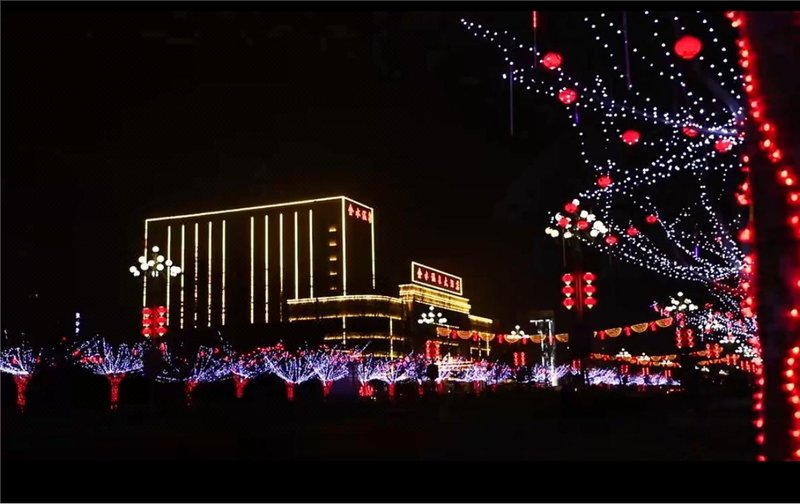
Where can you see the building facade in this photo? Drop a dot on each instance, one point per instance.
(302, 268)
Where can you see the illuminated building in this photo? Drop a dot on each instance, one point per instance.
(302, 270)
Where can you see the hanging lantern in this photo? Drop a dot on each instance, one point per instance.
(581, 225)
(604, 181)
(566, 278)
(590, 289)
(611, 240)
(690, 131)
(632, 231)
(723, 145)
(161, 310)
(567, 290)
(687, 47)
(568, 303)
(571, 207)
(651, 219)
(563, 222)
(589, 276)
(630, 137)
(590, 302)
(567, 96)
(551, 60)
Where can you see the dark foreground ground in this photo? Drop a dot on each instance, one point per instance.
(513, 423)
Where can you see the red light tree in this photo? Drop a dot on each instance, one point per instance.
(100, 357)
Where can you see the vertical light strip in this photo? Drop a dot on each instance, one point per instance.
(144, 276)
(252, 268)
(224, 230)
(266, 269)
(183, 266)
(196, 264)
(344, 254)
(311, 253)
(209, 273)
(372, 239)
(280, 258)
(169, 256)
(296, 265)
(391, 340)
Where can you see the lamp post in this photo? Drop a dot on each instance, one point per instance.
(158, 269)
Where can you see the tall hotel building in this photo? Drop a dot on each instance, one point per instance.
(304, 267)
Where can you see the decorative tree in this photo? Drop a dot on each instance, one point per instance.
(100, 357)
(248, 366)
(498, 373)
(475, 374)
(206, 365)
(369, 368)
(329, 365)
(662, 176)
(394, 371)
(21, 362)
(546, 375)
(293, 369)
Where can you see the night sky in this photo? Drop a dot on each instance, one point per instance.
(112, 114)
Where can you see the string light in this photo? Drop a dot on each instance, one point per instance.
(21, 362)
(101, 358)
(206, 365)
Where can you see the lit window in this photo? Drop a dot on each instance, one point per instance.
(332, 243)
(332, 229)
(333, 258)
(333, 287)
(333, 273)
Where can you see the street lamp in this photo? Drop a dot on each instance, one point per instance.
(430, 317)
(157, 266)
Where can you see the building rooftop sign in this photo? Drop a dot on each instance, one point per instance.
(432, 277)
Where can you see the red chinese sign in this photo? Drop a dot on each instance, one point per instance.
(430, 277)
(358, 212)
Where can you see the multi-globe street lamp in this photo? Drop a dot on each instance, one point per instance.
(430, 317)
(157, 266)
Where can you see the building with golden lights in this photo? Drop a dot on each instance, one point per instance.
(305, 270)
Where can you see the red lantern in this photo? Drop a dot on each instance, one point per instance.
(551, 60)
(566, 278)
(567, 290)
(690, 131)
(723, 145)
(499, 338)
(611, 240)
(589, 276)
(567, 96)
(147, 331)
(604, 181)
(563, 222)
(161, 320)
(687, 47)
(147, 311)
(651, 219)
(568, 303)
(632, 231)
(582, 224)
(146, 322)
(161, 331)
(630, 137)
(161, 310)
(571, 207)
(590, 289)
(590, 302)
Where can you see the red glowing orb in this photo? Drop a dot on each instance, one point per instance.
(651, 219)
(567, 290)
(590, 289)
(632, 231)
(563, 222)
(589, 276)
(582, 224)
(687, 47)
(568, 303)
(551, 60)
(630, 137)
(566, 278)
(723, 145)
(590, 302)
(604, 181)
(571, 207)
(611, 240)
(567, 96)
(690, 131)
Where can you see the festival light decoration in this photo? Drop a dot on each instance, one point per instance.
(676, 154)
(250, 365)
(329, 365)
(551, 60)
(208, 364)
(156, 266)
(687, 47)
(293, 369)
(21, 362)
(432, 317)
(101, 358)
(394, 372)
(369, 368)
